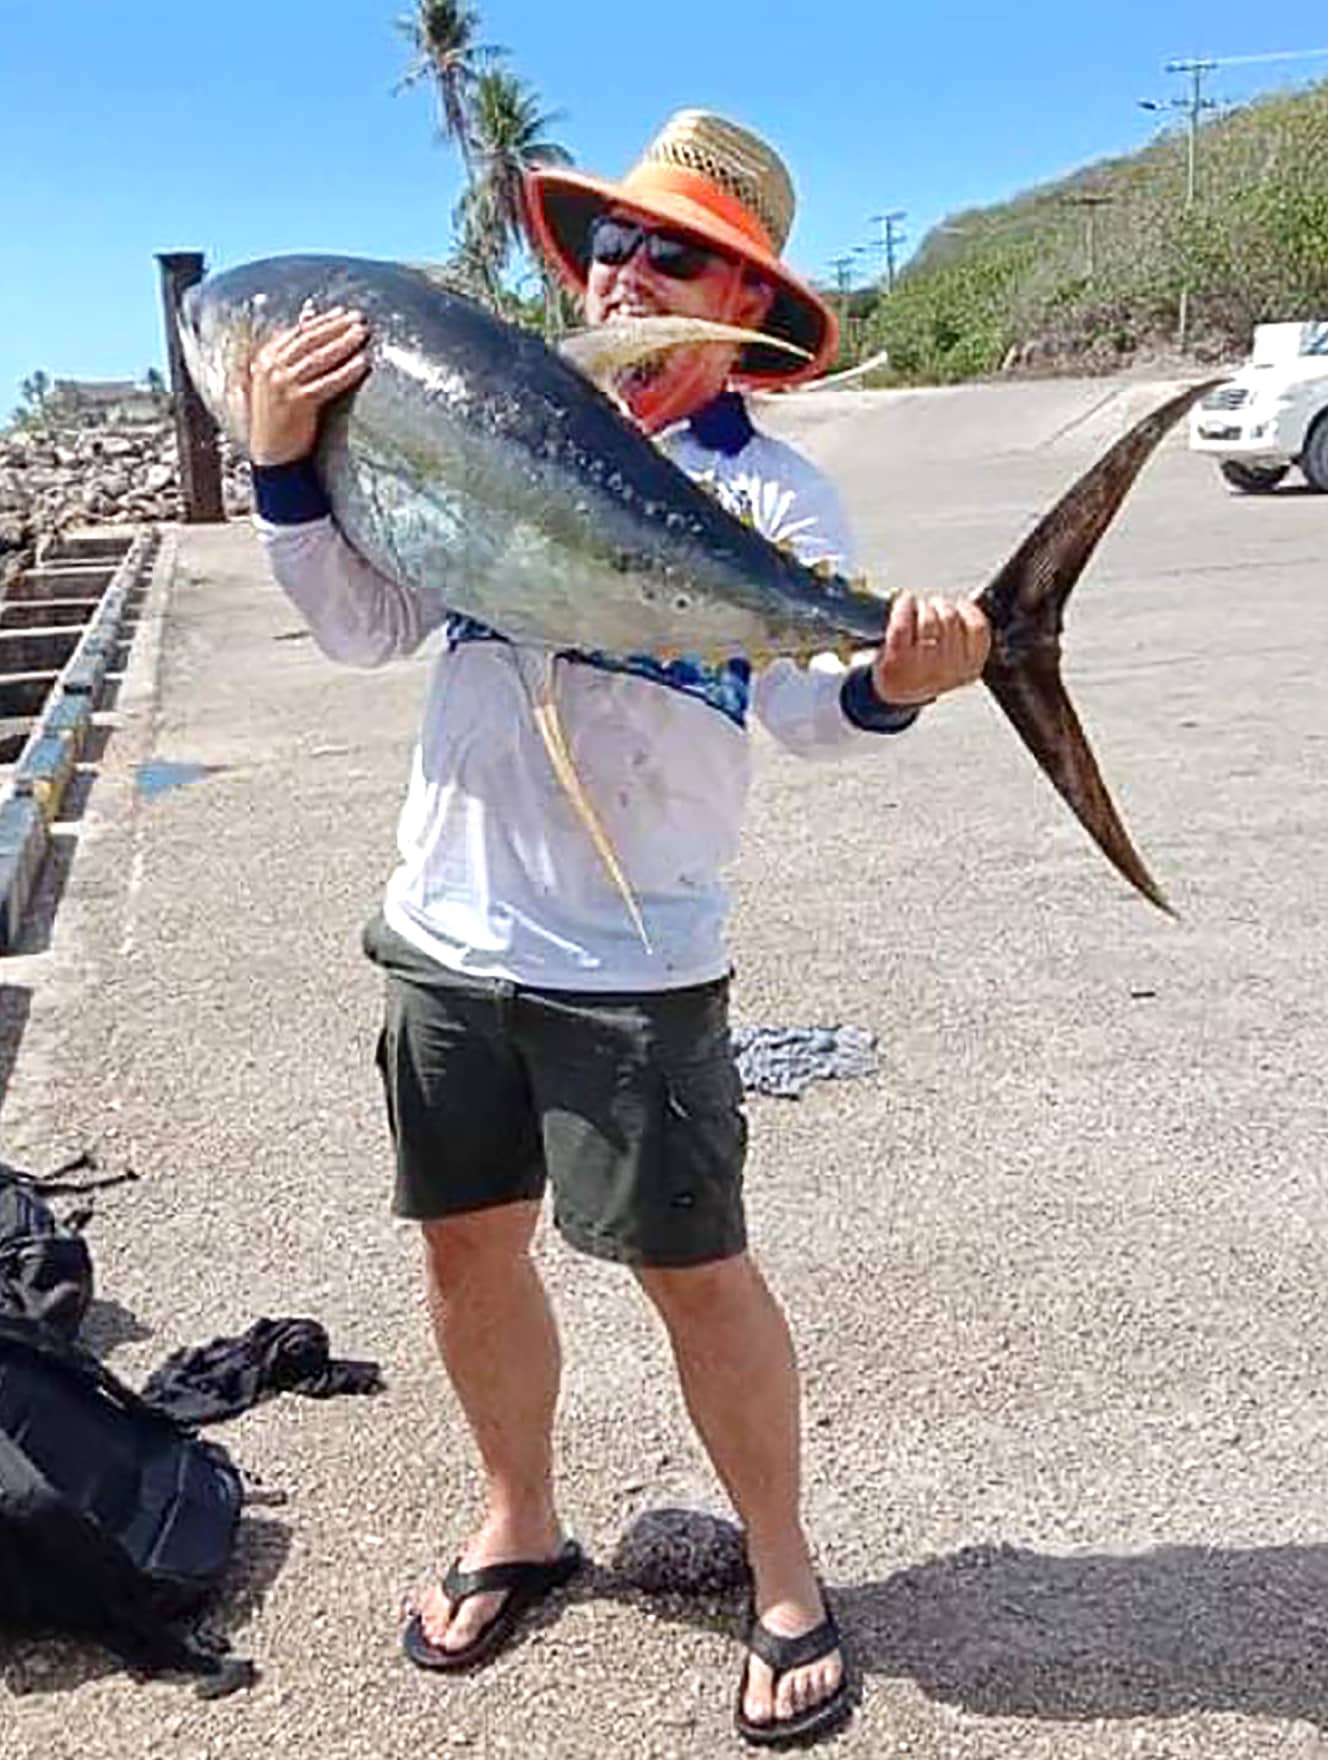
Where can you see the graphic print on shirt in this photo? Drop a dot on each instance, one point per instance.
(764, 504)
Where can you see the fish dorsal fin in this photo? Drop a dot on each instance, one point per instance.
(870, 365)
(606, 349)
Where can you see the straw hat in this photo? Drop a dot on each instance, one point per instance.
(712, 180)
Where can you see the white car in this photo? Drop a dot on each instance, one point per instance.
(1273, 414)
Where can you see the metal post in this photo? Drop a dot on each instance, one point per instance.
(195, 431)
(843, 267)
(890, 239)
(1196, 101)
(1194, 106)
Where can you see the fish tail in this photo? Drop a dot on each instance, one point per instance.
(1024, 605)
(549, 723)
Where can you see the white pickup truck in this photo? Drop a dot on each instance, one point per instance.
(1273, 414)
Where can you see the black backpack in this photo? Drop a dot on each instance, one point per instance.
(115, 1519)
(45, 1267)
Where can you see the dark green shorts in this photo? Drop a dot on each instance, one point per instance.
(629, 1106)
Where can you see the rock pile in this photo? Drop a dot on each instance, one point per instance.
(59, 473)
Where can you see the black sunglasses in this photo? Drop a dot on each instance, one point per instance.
(613, 242)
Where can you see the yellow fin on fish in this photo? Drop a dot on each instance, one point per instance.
(607, 349)
(550, 727)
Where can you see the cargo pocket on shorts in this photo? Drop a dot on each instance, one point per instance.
(703, 1148)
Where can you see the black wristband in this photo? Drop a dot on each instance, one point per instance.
(289, 494)
(866, 709)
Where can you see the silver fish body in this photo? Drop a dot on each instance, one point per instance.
(473, 462)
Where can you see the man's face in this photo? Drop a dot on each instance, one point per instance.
(720, 292)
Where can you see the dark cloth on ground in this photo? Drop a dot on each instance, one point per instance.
(204, 1383)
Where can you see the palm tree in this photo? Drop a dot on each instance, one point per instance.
(442, 36)
(509, 136)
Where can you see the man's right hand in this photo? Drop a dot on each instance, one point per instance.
(294, 374)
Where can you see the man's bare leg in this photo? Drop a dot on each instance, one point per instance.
(735, 1361)
(498, 1342)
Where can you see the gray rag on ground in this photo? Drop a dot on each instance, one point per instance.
(783, 1061)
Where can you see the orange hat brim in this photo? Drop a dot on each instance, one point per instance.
(563, 205)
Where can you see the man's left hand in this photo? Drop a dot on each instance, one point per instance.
(931, 646)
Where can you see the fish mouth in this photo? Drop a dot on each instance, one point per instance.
(216, 357)
(187, 329)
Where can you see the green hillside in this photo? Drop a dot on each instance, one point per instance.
(1012, 287)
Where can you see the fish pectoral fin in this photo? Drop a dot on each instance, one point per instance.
(607, 349)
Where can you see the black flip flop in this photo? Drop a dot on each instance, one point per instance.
(527, 1582)
(781, 1655)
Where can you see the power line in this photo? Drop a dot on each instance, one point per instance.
(1194, 105)
(1196, 69)
(843, 271)
(891, 238)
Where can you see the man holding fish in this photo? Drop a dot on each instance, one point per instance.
(532, 1035)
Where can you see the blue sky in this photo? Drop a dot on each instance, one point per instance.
(262, 126)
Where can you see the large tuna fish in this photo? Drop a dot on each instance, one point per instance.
(476, 463)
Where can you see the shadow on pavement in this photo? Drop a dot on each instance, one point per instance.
(109, 1323)
(1011, 1633)
(15, 1006)
(1005, 1632)
(58, 1664)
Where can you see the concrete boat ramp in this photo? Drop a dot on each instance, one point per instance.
(1055, 1270)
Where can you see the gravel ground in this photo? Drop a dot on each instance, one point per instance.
(1054, 1268)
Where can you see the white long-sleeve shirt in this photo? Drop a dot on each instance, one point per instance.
(498, 875)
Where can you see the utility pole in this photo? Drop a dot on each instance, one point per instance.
(1196, 71)
(891, 238)
(1194, 106)
(842, 267)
